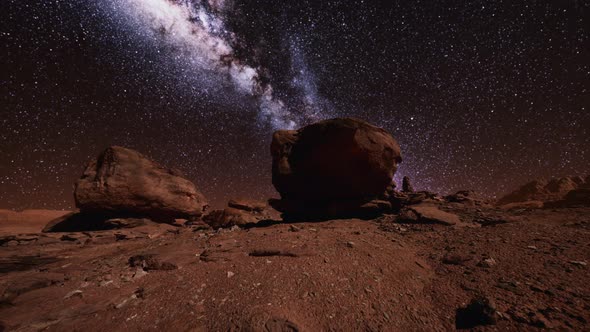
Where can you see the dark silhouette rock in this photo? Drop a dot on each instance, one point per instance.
(480, 311)
(574, 198)
(333, 159)
(124, 182)
(406, 185)
(229, 217)
(332, 164)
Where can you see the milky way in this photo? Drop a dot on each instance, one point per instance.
(481, 95)
(199, 40)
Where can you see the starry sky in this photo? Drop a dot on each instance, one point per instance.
(481, 95)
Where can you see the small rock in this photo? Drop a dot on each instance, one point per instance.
(139, 273)
(230, 274)
(579, 263)
(480, 311)
(76, 292)
(150, 262)
(350, 244)
(487, 263)
(532, 247)
(293, 228)
(455, 259)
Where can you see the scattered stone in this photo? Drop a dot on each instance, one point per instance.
(229, 217)
(579, 263)
(480, 311)
(76, 292)
(149, 262)
(230, 274)
(350, 244)
(139, 273)
(69, 237)
(271, 252)
(293, 228)
(247, 205)
(522, 205)
(427, 214)
(487, 263)
(455, 259)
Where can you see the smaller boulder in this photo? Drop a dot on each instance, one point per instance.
(229, 217)
(406, 185)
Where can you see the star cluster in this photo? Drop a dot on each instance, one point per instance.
(481, 95)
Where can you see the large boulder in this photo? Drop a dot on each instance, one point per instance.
(337, 159)
(123, 182)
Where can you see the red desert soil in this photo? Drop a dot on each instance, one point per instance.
(334, 275)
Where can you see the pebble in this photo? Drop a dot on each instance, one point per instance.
(230, 274)
(579, 263)
(76, 292)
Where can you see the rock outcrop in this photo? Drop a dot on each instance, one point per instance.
(330, 162)
(238, 213)
(407, 185)
(123, 182)
(544, 190)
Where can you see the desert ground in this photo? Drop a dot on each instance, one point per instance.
(529, 266)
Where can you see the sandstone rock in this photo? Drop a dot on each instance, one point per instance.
(79, 222)
(149, 262)
(247, 205)
(229, 217)
(298, 209)
(123, 182)
(543, 190)
(333, 159)
(406, 185)
(522, 205)
(574, 198)
(427, 214)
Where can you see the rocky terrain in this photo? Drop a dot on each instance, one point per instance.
(342, 249)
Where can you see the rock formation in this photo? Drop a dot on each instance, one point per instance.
(238, 213)
(407, 185)
(543, 190)
(124, 182)
(334, 162)
(122, 187)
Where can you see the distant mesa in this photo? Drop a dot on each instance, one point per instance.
(557, 192)
(333, 167)
(122, 183)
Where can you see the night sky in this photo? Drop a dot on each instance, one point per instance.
(481, 95)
